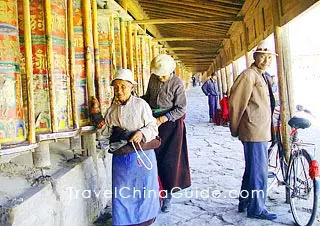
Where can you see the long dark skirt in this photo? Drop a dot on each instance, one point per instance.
(172, 156)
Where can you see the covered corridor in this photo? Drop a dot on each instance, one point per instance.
(55, 55)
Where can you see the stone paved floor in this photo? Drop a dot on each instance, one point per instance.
(217, 164)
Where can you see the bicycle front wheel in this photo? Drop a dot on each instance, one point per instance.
(303, 195)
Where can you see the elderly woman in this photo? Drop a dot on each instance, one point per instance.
(167, 99)
(135, 198)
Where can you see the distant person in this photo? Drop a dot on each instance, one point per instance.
(225, 109)
(199, 80)
(167, 99)
(194, 81)
(251, 104)
(210, 89)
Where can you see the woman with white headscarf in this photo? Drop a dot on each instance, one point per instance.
(167, 99)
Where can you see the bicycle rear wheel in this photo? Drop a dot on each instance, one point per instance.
(303, 195)
(276, 166)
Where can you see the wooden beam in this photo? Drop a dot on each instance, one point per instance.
(189, 20)
(216, 37)
(197, 60)
(195, 55)
(213, 5)
(138, 13)
(191, 49)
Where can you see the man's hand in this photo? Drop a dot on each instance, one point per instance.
(137, 137)
(161, 119)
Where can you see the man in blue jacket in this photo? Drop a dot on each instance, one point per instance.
(210, 89)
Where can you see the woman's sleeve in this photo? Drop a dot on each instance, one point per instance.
(179, 103)
(150, 128)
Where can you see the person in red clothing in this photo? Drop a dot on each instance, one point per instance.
(224, 109)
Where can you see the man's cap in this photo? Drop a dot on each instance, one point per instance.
(265, 47)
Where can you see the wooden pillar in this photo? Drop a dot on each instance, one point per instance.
(235, 70)
(234, 63)
(96, 47)
(123, 42)
(113, 48)
(223, 76)
(130, 47)
(52, 94)
(143, 60)
(88, 46)
(283, 78)
(75, 118)
(227, 79)
(154, 50)
(246, 43)
(29, 71)
(136, 53)
(149, 48)
(220, 83)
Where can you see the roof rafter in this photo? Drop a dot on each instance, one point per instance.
(188, 20)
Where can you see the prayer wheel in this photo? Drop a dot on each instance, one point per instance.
(145, 62)
(81, 81)
(117, 42)
(51, 81)
(105, 51)
(12, 125)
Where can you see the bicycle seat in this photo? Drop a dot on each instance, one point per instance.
(299, 123)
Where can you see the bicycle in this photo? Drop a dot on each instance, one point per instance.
(300, 175)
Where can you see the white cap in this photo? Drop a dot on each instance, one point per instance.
(162, 64)
(124, 74)
(265, 47)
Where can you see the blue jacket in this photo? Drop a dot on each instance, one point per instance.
(210, 87)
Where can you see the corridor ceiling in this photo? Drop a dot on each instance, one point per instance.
(191, 30)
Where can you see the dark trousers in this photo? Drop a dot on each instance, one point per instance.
(212, 101)
(255, 177)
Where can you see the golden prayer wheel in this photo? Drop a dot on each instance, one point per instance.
(12, 125)
(81, 90)
(105, 51)
(51, 80)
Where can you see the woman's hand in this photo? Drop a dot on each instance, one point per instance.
(161, 119)
(137, 137)
(95, 105)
